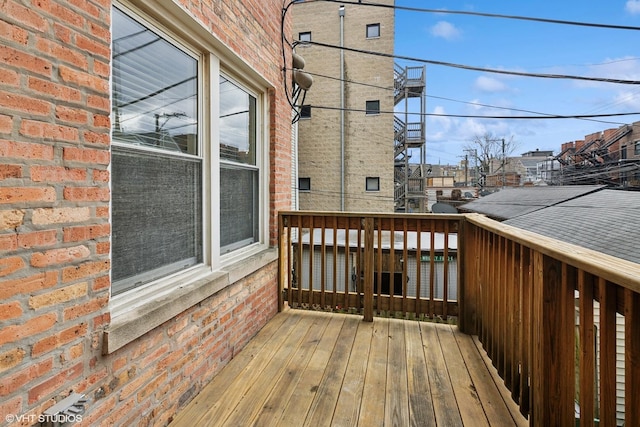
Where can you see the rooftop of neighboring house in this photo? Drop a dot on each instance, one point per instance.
(513, 202)
(606, 221)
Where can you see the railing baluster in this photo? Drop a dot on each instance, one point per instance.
(587, 350)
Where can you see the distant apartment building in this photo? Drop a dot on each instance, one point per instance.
(346, 130)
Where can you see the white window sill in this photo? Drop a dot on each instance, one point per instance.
(137, 312)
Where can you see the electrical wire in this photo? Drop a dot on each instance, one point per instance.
(470, 67)
(482, 14)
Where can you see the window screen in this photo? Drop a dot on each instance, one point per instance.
(373, 30)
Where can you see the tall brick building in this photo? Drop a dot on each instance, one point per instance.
(346, 163)
(145, 154)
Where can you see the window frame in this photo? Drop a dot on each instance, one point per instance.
(371, 111)
(373, 26)
(307, 186)
(304, 41)
(636, 148)
(372, 179)
(305, 112)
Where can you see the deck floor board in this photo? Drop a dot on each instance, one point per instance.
(314, 368)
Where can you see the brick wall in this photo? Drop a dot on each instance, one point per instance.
(55, 221)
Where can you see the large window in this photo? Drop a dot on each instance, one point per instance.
(156, 163)
(166, 176)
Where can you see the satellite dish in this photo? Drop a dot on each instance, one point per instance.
(443, 208)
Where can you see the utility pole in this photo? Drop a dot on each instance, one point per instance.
(503, 164)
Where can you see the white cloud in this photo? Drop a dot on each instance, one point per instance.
(445, 30)
(633, 7)
(489, 84)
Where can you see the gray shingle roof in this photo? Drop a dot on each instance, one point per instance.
(607, 221)
(514, 202)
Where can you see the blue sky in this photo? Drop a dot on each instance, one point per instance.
(523, 46)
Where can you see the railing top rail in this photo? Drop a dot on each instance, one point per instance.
(616, 270)
(425, 216)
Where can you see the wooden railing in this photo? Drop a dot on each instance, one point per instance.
(372, 264)
(553, 317)
(548, 314)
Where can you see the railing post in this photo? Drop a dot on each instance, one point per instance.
(368, 269)
(283, 253)
(553, 344)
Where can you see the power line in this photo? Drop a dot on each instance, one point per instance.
(477, 116)
(456, 100)
(486, 15)
(470, 67)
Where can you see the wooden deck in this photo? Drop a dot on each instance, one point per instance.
(327, 369)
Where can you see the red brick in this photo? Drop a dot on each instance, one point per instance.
(25, 15)
(38, 239)
(102, 211)
(86, 6)
(13, 33)
(101, 68)
(36, 325)
(9, 77)
(65, 14)
(95, 48)
(44, 216)
(26, 285)
(54, 383)
(79, 310)
(60, 256)
(84, 270)
(52, 342)
(100, 120)
(27, 194)
(11, 407)
(72, 115)
(82, 79)
(103, 248)
(76, 351)
(97, 138)
(25, 150)
(10, 310)
(26, 104)
(102, 103)
(92, 156)
(61, 53)
(101, 283)
(86, 232)
(9, 242)
(6, 122)
(57, 174)
(25, 61)
(48, 131)
(15, 381)
(101, 175)
(11, 265)
(59, 92)
(10, 171)
(86, 194)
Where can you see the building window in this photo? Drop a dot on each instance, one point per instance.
(305, 112)
(239, 171)
(304, 184)
(636, 148)
(372, 183)
(169, 186)
(373, 107)
(373, 31)
(156, 162)
(304, 36)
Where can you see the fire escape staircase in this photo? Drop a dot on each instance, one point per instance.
(409, 82)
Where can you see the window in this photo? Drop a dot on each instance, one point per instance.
(239, 171)
(156, 162)
(373, 31)
(176, 203)
(305, 112)
(636, 148)
(304, 184)
(373, 107)
(372, 183)
(304, 36)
